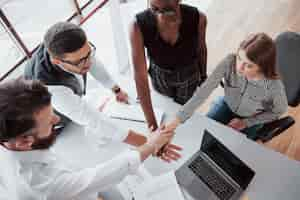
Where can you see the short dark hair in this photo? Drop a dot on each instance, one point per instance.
(19, 100)
(64, 37)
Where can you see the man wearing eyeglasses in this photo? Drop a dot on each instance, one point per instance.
(62, 63)
(26, 132)
(174, 36)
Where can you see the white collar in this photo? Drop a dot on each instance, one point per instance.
(38, 156)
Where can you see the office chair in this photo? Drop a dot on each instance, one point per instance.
(288, 62)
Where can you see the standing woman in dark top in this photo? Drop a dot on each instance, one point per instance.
(174, 36)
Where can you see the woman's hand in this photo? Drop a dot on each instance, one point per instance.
(237, 124)
(170, 153)
(158, 140)
(169, 149)
(170, 128)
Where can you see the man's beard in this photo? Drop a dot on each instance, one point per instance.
(45, 143)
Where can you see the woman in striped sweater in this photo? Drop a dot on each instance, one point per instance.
(254, 93)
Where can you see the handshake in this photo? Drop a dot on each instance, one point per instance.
(160, 140)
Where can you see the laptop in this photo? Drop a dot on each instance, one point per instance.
(214, 172)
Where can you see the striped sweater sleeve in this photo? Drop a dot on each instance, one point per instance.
(202, 92)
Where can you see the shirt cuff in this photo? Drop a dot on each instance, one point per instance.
(111, 84)
(182, 116)
(105, 137)
(120, 135)
(117, 136)
(134, 160)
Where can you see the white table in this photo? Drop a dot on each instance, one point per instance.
(277, 177)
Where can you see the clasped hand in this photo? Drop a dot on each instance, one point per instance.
(164, 149)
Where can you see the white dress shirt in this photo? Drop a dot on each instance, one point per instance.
(75, 108)
(50, 179)
(12, 184)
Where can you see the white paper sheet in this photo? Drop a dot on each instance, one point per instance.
(130, 184)
(162, 187)
(156, 188)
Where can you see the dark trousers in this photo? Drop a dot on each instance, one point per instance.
(221, 112)
(177, 84)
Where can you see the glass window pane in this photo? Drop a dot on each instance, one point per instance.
(10, 54)
(16, 73)
(31, 18)
(83, 2)
(100, 31)
(93, 4)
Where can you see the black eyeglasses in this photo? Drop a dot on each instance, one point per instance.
(168, 11)
(82, 61)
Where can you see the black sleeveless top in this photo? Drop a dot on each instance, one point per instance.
(163, 54)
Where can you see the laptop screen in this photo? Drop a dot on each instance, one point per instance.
(226, 160)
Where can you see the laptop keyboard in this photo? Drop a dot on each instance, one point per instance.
(213, 180)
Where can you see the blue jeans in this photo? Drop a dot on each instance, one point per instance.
(221, 112)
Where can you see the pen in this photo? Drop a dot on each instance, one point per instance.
(121, 118)
(133, 101)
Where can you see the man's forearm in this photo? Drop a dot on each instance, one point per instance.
(135, 139)
(145, 151)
